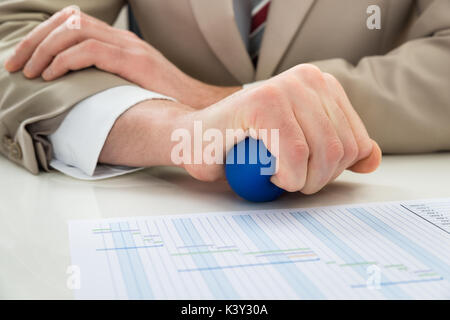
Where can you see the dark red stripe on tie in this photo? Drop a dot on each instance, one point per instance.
(260, 17)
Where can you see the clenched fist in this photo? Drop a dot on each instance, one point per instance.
(320, 134)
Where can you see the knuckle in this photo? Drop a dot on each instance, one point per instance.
(308, 69)
(334, 83)
(66, 13)
(41, 51)
(256, 115)
(268, 93)
(74, 19)
(290, 80)
(311, 74)
(330, 78)
(84, 19)
(334, 151)
(67, 10)
(59, 61)
(56, 34)
(91, 45)
(268, 102)
(25, 43)
(63, 14)
(299, 151)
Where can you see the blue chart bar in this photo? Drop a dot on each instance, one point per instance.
(303, 286)
(346, 253)
(129, 248)
(133, 272)
(377, 251)
(247, 265)
(406, 244)
(218, 283)
(399, 282)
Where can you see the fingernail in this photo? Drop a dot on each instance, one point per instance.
(47, 74)
(9, 64)
(27, 69)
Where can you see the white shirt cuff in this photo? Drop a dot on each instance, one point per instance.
(78, 141)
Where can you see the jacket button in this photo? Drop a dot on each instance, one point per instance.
(15, 151)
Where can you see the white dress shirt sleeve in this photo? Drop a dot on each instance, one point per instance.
(78, 141)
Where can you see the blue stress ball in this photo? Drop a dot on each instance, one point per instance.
(248, 168)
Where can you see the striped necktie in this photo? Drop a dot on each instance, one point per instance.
(260, 9)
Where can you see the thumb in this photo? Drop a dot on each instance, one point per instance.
(369, 164)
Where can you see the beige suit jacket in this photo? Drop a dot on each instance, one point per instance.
(397, 77)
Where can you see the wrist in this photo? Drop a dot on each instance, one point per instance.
(187, 90)
(163, 120)
(200, 95)
(141, 136)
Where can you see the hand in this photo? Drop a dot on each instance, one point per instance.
(320, 134)
(54, 48)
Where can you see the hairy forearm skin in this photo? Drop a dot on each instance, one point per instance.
(141, 135)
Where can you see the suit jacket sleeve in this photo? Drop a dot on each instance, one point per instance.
(32, 109)
(403, 97)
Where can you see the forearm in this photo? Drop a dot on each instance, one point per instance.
(142, 135)
(167, 79)
(35, 108)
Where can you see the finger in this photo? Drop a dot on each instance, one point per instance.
(64, 37)
(326, 148)
(292, 160)
(342, 127)
(369, 164)
(359, 130)
(83, 55)
(269, 109)
(345, 134)
(26, 47)
(325, 145)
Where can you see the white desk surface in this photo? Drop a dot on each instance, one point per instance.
(34, 210)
